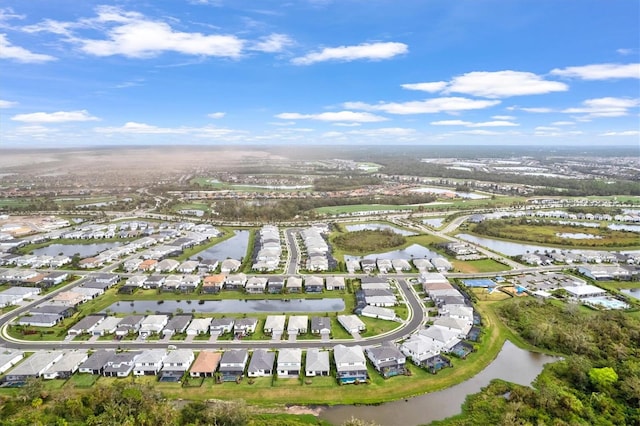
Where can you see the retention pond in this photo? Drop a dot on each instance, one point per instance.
(512, 364)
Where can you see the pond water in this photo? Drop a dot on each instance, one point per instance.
(376, 227)
(504, 247)
(632, 292)
(577, 236)
(620, 227)
(435, 222)
(414, 251)
(229, 306)
(84, 250)
(467, 195)
(512, 364)
(235, 248)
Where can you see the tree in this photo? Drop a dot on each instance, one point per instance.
(603, 378)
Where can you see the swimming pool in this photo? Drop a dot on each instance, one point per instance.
(606, 302)
(479, 282)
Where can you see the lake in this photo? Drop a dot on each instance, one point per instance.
(512, 364)
(376, 227)
(504, 247)
(84, 250)
(467, 195)
(414, 251)
(632, 292)
(436, 222)
(234, 248)
(233, 306)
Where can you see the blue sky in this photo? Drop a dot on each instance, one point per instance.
(432, 72)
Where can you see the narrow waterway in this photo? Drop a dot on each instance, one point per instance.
(512, 364)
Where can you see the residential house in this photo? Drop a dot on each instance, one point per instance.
(149, 362)
(351, 323)
(321, 326)
(245, 326)
(88, 293)
(382, 298)
(208, 265)
(205, 364)
(230, 265)
(256, 285)
(351, 364)
(213, 283)
(177, 324)
(275, 285)
(233, 363)
(401, 265)
(148, 265)
(104, 277)
(235, 281)
(176, 364)
(33, 366)
(289, 362)
(190, 283)
(313, 284)
(121, 364)
(294, 285)
(378, 312)
(221, 325)
(422, 352)
(441, 264)
(167, 265)
(85, 325)
(154, 281)
(69, 298)
(108, 326)
(132, 264)
(96, 362)
(443, 339)
(384, 265)
(298, 324)
(198, 326)
(66, 366)
(274, 324)
(40, 320)
(261, 364)
(335, 283)
(55, 278)
(129, 324)
(387, 359)
(353, 265)
(172, 283)
(188, 267)
(9, 357)
(422, 264)
(368, 265)
(153, 324)
(317, 363)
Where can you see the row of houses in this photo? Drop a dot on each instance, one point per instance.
(268, 249)
(561, 214)
(231, 365)
(218, 282)
(32, 278)
(435, 263)
(454, 324)
(318, 254)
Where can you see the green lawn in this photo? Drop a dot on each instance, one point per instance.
(482, 265)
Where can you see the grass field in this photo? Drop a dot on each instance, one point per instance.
(482, 265)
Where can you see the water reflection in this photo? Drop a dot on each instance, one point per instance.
(234, 248)
(414, 251)
(512, 364)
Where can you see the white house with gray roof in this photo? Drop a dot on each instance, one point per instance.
(351, 323)
(317, 363)
(66, 366)
(34, 366)
(261, 364)
(351, 364)
(289, 362)
(9, 357)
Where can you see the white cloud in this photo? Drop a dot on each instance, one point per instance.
(55, 117)
(623, 133)
(272, 43)
(626, 52)
(384, 131)
(537, 110)
(7, 104)
(503, 117)
(148, 129)
(563, 123)
(20, 54)
(431, 87)
(600, 71)
(217, 115)
(347, 124)
(348, 116)
(479, 132)
(370, 51)
(429, 106)
(502, 84)
(555, 132)
(604, 107)
(497, 123)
